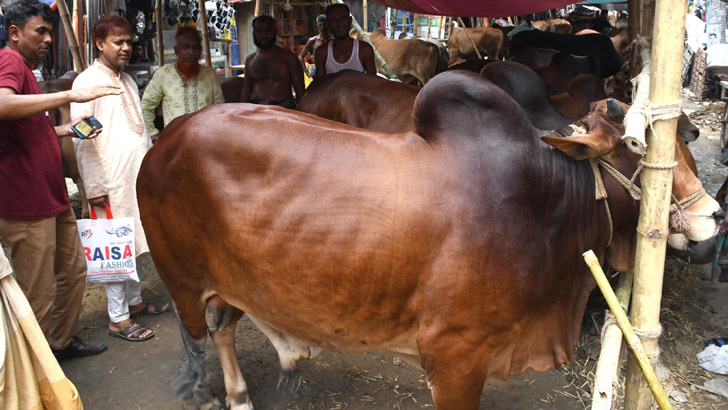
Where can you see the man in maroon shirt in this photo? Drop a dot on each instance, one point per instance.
(35, 214)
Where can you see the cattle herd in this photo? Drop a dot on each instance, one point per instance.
(443, 224)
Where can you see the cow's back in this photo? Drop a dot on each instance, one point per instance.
(361, 101)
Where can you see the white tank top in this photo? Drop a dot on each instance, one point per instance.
(352, 64)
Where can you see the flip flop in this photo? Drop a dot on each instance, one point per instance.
(131, 332)
(74, 349)
(718, 341)
(150, 309)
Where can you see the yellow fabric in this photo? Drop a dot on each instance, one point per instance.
(30, 377)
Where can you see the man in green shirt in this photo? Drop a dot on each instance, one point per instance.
(183, 87)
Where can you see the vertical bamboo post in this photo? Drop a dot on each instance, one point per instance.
(70, 37)
(160, 32)
(635, 20)
(205, 32)
(429, 25)
(607, 369)
(439, 28)
(393, 24)
(648, 18)
(75, 23)
(667, 46)
(256, 13)
(365, 12)
(415, 25)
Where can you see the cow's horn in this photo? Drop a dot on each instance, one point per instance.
(615, 110)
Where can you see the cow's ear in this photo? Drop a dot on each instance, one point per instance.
(582, 146)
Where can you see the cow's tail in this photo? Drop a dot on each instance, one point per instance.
(192, 380)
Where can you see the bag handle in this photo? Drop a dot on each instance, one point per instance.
(108, 212)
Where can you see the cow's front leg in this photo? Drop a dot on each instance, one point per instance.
(290, 352)
(222, 319)
(454, 372)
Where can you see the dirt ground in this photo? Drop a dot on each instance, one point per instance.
(137, 375)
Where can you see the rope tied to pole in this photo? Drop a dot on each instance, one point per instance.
(650, 335)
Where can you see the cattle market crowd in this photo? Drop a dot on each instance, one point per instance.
(294, 197)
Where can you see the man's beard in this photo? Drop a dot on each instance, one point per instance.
(188, 70)
(264, 46)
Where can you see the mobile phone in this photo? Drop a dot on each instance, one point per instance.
(85, 127)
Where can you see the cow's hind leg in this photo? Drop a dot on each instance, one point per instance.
(192, 382)
(222, 319)
(290, 352)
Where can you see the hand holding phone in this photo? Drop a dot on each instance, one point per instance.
(86, 127)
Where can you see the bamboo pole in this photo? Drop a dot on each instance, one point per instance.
(605, 376)
(70, 37)
(475, 46)
(633, 342)
(439, 28)
(377, 56)
(648, 18)
(75, 23)
(365, 12)
(429, 24)
(160, 32)
(205, 32)
(667, 43)
(393, 25)
(635, 121)
(633, 24)
(256, 13)
(415, 25)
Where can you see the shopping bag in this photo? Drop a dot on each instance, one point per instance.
(108, 246)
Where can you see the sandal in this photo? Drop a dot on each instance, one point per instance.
(75, 350)
(150, 309)
(132, 332)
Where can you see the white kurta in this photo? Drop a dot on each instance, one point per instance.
(109, 164)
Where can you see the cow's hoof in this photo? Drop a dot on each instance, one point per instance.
(243, 402)
(213, 405)
(290, 379)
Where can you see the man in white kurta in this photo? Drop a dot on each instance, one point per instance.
(109, 163)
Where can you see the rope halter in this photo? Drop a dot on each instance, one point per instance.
(678, 220)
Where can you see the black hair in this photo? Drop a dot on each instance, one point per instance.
(335, 6)
(263, 18)
(320, 18)
(18, 13)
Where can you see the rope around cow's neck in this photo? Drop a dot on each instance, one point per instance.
(678, 221)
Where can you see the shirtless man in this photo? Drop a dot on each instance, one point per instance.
(343, 52)
(314, 43)
(271, 71)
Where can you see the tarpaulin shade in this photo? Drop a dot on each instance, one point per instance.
(475, 8)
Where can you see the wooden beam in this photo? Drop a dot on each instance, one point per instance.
(635, 20)
(256, 13)
(70, 36)
(653, 226)
(205, 32)
(365, 12)
(160, 32)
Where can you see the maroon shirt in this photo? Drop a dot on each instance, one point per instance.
(31, 178)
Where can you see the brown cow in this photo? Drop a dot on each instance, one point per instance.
(553, 25)
(411, 60)
(488, 40)
(356, 99)
(582, 91)
(336, 237)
